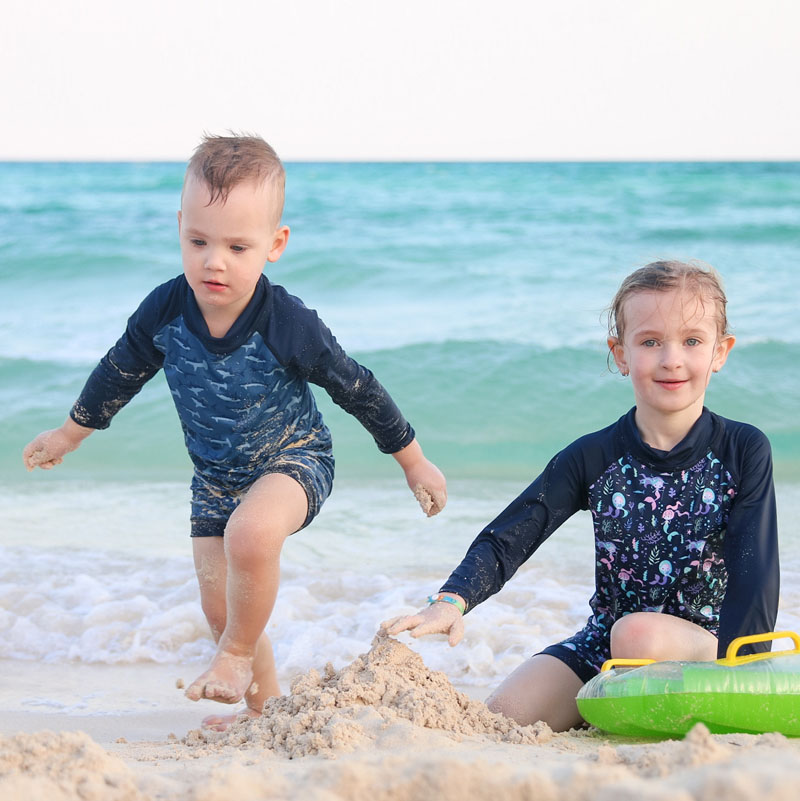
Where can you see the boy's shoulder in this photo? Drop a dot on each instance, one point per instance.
(161, 304)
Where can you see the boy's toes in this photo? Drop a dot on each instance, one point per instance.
(222, 692)
(224, 722)
(195, 691)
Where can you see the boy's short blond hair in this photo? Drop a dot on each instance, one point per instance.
(223, 162)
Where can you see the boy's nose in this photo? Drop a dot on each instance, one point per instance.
(214, 260)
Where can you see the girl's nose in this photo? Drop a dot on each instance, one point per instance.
(671, 356)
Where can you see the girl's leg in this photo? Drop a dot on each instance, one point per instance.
(542, 688)
(274, 507)
(655, 635)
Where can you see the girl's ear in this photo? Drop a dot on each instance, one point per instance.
(618, 352)
(721, 352)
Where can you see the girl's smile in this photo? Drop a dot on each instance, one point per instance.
(670, 347)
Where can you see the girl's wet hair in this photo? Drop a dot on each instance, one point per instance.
(701, 280)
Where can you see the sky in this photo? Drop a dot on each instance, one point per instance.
(417, 80)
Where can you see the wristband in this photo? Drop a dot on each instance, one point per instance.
(448, 599)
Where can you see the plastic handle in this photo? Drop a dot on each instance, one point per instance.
(612, 663)
(731, 657)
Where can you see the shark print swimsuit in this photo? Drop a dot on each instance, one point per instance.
(243, 400)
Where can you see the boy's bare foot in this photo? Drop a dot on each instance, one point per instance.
(224, 722)
(225, 681)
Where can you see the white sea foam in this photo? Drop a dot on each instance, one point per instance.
(117, 586)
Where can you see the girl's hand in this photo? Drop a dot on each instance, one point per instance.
(424, 478)
(438, 618)
(50, 447)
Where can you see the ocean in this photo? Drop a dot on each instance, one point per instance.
(476, 293)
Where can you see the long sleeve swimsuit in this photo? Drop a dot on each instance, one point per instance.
(691, 532)
(243, 399)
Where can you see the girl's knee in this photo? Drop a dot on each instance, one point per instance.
(635, 636)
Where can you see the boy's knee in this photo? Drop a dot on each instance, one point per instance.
(246, 542)
(635, 636)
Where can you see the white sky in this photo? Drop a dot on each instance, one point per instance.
(410, 79)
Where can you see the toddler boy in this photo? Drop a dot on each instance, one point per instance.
(239, 353)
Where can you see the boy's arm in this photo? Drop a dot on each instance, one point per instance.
(132, 362)
(299, 338)
(121, 373)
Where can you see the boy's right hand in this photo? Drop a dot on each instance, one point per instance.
(438, 618)
(50, 447)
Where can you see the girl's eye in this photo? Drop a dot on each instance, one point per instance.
(692, 342)
(649, 343)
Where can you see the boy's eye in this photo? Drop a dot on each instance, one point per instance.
(198, 242)
(238, 248)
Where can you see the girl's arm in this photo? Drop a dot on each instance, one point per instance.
(751, 546)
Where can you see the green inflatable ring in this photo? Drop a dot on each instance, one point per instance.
(754, 694)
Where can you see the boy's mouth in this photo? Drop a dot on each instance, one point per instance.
(214, 286)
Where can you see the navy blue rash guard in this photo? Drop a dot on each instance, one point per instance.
(244, 397)
(691, 532)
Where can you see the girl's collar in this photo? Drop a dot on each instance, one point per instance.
(693, 447)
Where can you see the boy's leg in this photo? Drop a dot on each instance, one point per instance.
(659, 636)
(274, 507)
(541, 688)
(211, 567)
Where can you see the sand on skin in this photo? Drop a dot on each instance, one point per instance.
(386, 728)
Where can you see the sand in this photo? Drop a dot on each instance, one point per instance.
(384, 728)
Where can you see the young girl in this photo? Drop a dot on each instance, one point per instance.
(682, 504)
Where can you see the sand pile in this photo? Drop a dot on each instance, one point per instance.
(342, 710)
(64, 766)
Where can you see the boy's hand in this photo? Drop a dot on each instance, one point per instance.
(438, 618)
(50, 447)
(424, 478)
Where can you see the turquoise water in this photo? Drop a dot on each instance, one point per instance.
(474, 291)
(476, 294)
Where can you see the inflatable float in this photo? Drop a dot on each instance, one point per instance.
(754, 694)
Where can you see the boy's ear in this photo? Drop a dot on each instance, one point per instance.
(279, 242)
(179, 222)
(618, 352)
(721, 352)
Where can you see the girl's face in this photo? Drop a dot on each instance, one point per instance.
(670, 347)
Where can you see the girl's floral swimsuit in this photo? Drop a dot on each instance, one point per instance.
(691, 532)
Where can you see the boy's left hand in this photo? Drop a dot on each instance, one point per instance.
(424, 478)
(429, 487)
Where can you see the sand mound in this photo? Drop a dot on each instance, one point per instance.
(341, 710)
(64, 766)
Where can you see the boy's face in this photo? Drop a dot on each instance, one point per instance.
(226, 245)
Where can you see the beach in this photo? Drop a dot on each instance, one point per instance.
(489, 334)
(419, 742)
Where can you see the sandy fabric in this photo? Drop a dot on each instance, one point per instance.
(384, 728)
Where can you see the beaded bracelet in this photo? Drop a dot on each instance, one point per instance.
(448, 599)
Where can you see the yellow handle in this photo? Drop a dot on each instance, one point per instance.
(612, 663)
(731, 657)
